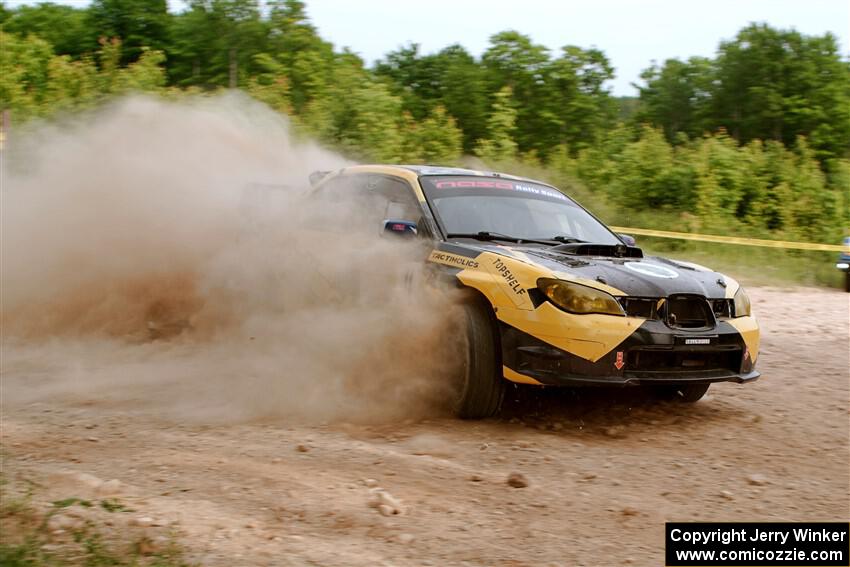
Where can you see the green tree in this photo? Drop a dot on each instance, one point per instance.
(72, 83)
(776, 84)
(463, 92)
(500, 145)
(650, 174)
(766, 84)
(306, 58)
(416, 79)
(271, 85)
(368, 125)
(719, 179)
(514, 61)
(451, 78)
(436, 140)
(578, 106)
(25, 78)
(838, 177)
(215, 43)
(138, 23)
(814, 206)
(677, 96)
(357, 114)
(64, 27)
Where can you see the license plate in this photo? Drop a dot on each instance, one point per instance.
(698, 341)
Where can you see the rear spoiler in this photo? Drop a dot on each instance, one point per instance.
(317, 176)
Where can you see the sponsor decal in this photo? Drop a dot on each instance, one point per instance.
(488, 184)
(697, 341)
(473, 183)
(619, 364)
(452, 260)
(510, 279)
(652, 270)
(540, 191)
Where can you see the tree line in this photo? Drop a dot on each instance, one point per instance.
(755, 139)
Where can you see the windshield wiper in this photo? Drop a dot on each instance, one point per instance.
(484, 235)
(567, 239)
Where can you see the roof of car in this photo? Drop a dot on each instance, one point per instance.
(424, 170)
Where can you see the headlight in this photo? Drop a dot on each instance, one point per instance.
(742, 303)
(577, 298)
(842, 265)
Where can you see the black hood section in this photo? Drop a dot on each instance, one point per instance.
(636, 276)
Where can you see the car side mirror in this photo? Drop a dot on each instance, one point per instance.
(403, 228)
(628, 239)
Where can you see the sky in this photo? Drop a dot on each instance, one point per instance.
(632, 33)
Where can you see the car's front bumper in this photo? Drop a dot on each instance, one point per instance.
(653, 354)
(550, 378)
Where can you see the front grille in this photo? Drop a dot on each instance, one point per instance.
(680, 311)
(689, 312)
(641, 307)
(684, 360)
(723, 308)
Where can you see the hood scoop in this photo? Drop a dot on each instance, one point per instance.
(607, 250)
(561, 258)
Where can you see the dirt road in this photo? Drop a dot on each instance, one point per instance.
(604, 471)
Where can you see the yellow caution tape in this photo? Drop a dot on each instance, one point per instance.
(733, 240)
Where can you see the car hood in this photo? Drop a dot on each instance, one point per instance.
(650, 276)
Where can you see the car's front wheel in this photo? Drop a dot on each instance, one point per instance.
(480, 387)
(686, 393)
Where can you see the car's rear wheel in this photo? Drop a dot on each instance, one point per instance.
(480, 386)
(685, 393)
(847, 281)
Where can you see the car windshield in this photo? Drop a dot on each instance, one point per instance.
(506, 207)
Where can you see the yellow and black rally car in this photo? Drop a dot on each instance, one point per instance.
(554, 296)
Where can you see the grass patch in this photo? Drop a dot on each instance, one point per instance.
(113, 505)
(26, 539)
(70, 502)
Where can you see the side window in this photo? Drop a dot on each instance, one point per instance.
(340, 187)
(365, 200)
(393, 198)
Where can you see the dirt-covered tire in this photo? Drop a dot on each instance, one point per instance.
(847, 281)
(685, 393)
(480, 386)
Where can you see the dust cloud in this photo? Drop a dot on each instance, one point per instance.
(163, 257)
